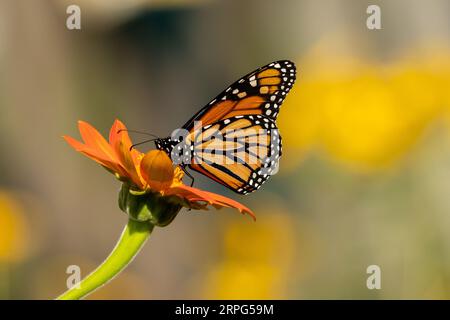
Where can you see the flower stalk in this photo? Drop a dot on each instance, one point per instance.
(131, 241)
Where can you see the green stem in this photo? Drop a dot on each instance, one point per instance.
(131, 241)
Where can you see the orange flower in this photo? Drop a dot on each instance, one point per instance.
(145, 174)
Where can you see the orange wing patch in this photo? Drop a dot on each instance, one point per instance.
(272, 72)
(218, 111)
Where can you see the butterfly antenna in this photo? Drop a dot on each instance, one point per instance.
(139, 143)
(140, 132)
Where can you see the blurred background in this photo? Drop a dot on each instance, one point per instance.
(364, 177)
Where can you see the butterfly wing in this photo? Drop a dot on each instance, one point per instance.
(248, 147)
(240, 152)
(259, 92)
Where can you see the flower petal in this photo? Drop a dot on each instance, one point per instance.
(95, 140)
(117, 133)
(94, 154)
(216, 200)
(121, 144)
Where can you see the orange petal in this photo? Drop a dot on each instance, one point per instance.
(121, 143)
(117, 133)
(194, 194)
(129, 162)
(77, 145)
(94, 154)
(157, 170)
(95, 140)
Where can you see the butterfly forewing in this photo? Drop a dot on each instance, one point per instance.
(259, 92)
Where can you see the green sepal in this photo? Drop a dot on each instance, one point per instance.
(148, 206)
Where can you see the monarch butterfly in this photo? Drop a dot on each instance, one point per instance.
(243, 115)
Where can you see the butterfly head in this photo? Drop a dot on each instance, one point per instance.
(164, 144)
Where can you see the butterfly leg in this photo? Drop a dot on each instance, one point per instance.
(188, 174)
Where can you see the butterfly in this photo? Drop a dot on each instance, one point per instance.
(234, 139)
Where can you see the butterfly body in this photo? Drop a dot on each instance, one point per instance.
(234, 139)
(165, 144)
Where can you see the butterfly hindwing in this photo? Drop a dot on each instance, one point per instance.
(239, 152)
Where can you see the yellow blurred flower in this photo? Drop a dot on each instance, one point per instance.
(256, 260)
(364, 114)
(269, 241)
(233, 280)
(13, 229)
